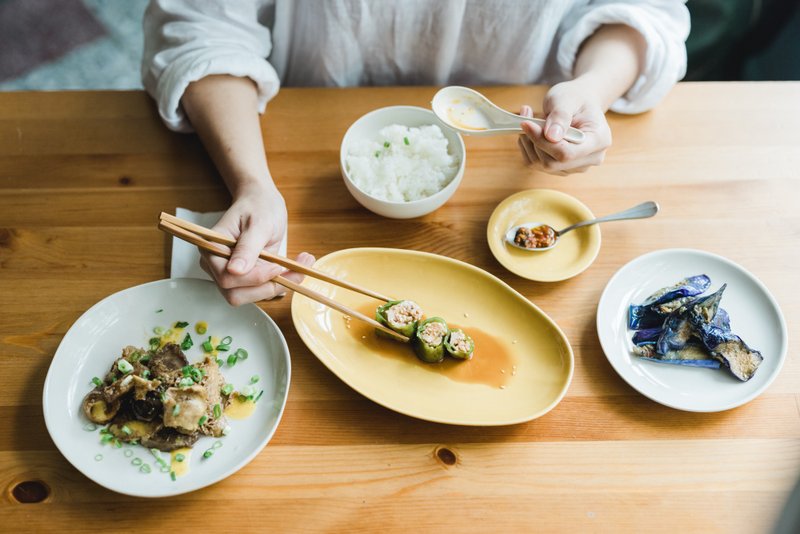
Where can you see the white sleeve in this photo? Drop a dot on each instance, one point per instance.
(186, 40)
(664, 24)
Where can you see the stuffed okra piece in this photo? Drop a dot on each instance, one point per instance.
(459, 345)
(402, 316)
(429, 340)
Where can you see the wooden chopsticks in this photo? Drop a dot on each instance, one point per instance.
(211, 241)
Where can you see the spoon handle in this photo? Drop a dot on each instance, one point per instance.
(573, 135)
(642, 211)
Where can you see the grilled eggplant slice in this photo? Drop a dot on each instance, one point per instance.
(657, 306)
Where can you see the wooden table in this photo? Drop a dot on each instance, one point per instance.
(83, 177)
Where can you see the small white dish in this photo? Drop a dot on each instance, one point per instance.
(755, 317)
(368, 126)
(128, 318)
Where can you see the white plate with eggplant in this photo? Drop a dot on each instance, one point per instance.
(164, 388)
(691, 330)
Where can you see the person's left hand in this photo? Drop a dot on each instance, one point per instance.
(566, 104)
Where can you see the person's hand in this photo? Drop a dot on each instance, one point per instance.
(257, 220)
(566, 104)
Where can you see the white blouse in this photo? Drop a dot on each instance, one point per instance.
(410, 42)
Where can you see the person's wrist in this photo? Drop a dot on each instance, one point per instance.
(256, 186)
(592, 91)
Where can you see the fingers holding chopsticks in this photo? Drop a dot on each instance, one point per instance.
(253, 286)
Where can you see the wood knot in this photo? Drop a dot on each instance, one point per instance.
(446, 456)
(125, 180)
(30, 491)
(6, 237)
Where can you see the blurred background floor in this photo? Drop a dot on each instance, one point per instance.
(97, 44)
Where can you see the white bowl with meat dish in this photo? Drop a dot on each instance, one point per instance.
(401, 162)
(164, 388)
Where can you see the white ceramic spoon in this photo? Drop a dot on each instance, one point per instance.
(469, 112)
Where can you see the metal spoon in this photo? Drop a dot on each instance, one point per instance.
(469, 112)
(642, 211)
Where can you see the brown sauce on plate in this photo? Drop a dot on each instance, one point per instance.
(491, 363)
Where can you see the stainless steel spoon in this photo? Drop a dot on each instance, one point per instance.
(642, 211)
(469, 112)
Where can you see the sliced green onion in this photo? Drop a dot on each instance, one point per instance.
(209, 453)
(216, 445)
(117, 443)
(377, 153)
(227, 340)
(254, 379)
(135, 356)
(217, 411)
(126, 430)
(154, 343)
(105, 431)
(91, 427)
(223, 348)
(145, 358)
(98, 457)
(155, 452)
(405, 140)
(200, 328)
(106, 438)
(386, 144)
(163, 396)
(172, 476)
(96, 381)
(176, 410)
(241, 354)
(197, 374)
(259, 395)
(207, 346)
(159, 311)
(124, 367)
(232, 359)
(158, 330)
(128, 453)
(165, 469)
(181, 324)
(185, 382)
(202, 420)
(187, 342)
(227, 389)
(226, 430)
(167, 333)
(248, 391)
(145, 469)
(146, 373)
(179, 457)
(220, 363)
(186, 370)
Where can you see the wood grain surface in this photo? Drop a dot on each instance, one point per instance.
(84, 175)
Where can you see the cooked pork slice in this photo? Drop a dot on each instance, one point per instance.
(183, 408)
(142, 386)
(168, 439)
(213, 381)
(167, 360)
(118, 388)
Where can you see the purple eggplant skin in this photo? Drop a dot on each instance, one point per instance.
(722, 319)
(647, 336)
(677, 332)
(708, 364)
(655, 309)
(703, 309)
(688, 287)
(735, 355)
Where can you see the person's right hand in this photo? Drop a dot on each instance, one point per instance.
(257, 220)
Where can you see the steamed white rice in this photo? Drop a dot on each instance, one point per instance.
(402, 164)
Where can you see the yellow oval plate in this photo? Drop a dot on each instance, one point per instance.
(522, 365)
(575, 251)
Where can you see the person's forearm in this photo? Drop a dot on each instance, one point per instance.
(223, 111)
(609, 62)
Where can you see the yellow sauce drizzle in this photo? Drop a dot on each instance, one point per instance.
(239, 407)
(180, 468)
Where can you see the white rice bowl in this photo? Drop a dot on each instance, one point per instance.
(402, 164)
